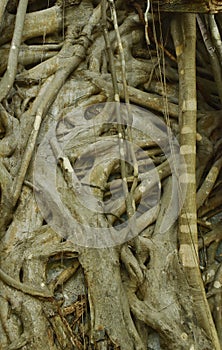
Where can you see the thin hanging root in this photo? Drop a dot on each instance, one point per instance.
(109, 51)
(146, 22)
(120, 122)
(120, 46)
(128, 132)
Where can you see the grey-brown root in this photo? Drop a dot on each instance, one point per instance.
(56, 295)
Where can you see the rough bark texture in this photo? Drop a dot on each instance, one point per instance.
(110, 230)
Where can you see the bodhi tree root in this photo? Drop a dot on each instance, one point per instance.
(153, 289)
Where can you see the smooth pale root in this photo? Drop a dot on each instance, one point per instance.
(189, 105)
(186, 149)
(37, 122)
(188, 228)
(67, 164)
(217, 284)
(188, 255)
(188, 178)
